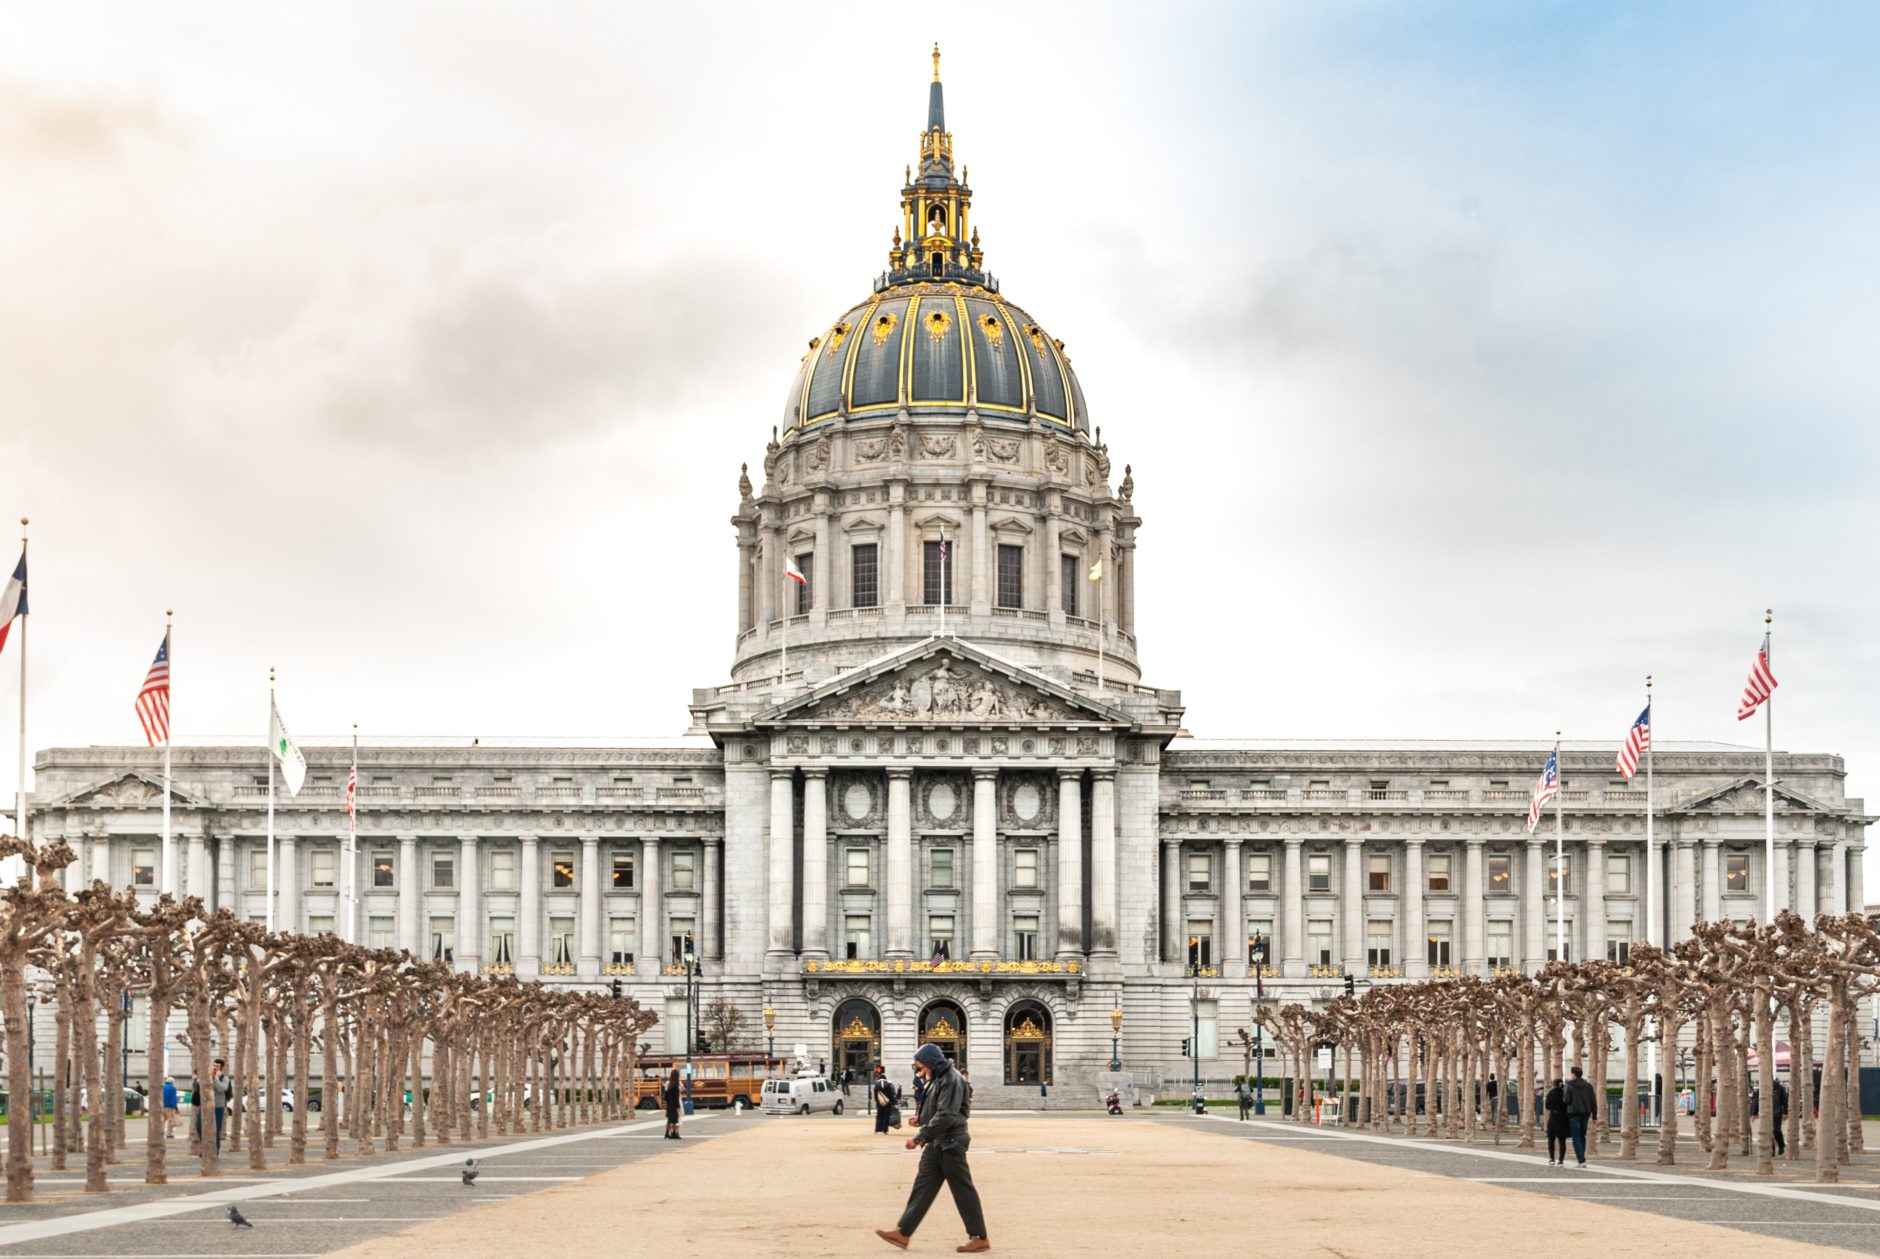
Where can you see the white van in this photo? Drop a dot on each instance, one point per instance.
(800, 1097)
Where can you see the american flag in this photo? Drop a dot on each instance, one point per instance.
(1761, 684)
(352, 794)
(153, 701)
(1637, 739)
(940, 952)
(1544, 790)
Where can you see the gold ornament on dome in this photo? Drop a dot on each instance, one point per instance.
(836, 336)
(858, 1030)
(995, 331)
(937, 325)
(941, 1029)
(884, 328)
(1036, 334)
(1028, 1030)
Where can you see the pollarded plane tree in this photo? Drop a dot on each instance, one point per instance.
(29, 916)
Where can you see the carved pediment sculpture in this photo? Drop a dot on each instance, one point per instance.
(950, 691)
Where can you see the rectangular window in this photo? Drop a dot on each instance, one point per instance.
(683, 934)
(1260, 951)
(323, 867)
(143, 867)
(1438, 943)
(561, 941)
(564, 870)
(1025, 867)
(806, 589)
(1319, 941)
(257, 869)
(1379, 867)
(502, 869)
(855, 937)
(320, 924)
(379, 932)
(1619, 941)
(684, 871)
(855, 871)
(936, 573)
(1618, 874)
(502, 941)
(1439, 872)
(1736, 872)
(623, 872)
(1069, 570)
(864, 585)
(1560, 874)
(622, 938)
(1501, 942)
(1500, 874)
(1025, 937)
(1554, 956)
(1259, 872)
(1199, 878)
(1319, 872)
(1200, 942)
(443, 872)
(1207, 1029)
(1377, 942)
(443, 940)
(382, 868)
(940, 868)
(940, 935)
(1011, 576)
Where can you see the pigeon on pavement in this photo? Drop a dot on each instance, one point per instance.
(236, 1218)
(470, 1172)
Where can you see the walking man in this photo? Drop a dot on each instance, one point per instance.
(1243, 1092)
(169, 1105)
(1580, 1107)
(1780, 1092)
(940, 1135)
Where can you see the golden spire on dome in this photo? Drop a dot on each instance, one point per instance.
(936, 61)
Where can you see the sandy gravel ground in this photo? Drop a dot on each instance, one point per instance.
(1053, 1188)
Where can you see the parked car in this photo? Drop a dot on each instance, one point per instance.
(800, 1096)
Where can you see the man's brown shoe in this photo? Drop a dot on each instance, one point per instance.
(894, 1237)
(973, 1246)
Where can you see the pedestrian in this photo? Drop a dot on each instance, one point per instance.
(221, 1094)
(169, 1104)
(672, 1100)
(941, 1136)
(847, 1076)
(1243, 1093)
(1557, 1128)
(1780, 1092)
(884, 1097)
(1493, 1090)
(1580, 1107)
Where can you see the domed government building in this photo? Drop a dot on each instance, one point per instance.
(937, 798)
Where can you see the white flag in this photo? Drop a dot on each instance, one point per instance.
(293, 764)
(1096, 571)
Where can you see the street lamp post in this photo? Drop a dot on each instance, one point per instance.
(770, 1032)
(690, 960)
(1259, 1000)
(1194, 1009)
(1116, 1032)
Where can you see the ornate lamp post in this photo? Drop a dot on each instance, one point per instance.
(691, 988)
(1194, 1008)
(1116, 1032)
(1257, 954)
(770, 1031)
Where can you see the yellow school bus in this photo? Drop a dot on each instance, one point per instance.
(718, 1080)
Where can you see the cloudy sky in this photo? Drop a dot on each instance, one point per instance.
(1474, 360)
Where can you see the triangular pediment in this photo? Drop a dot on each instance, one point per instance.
(943, 682)
(132, 787)
(1745, 795)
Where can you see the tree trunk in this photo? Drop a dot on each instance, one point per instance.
(85, 1024)
(303, 1066)
(1723, 1044)
(156, 1066)
(1850, 1041)
(1765, 1031)
(1628, 1090)
(1827, 1160)
(417, 1088)
(19, 1075)
(201, 1051)
(248, 1084)
(62, 1100)
(1701, 1092)
(1668, 1029)
(330, 1051)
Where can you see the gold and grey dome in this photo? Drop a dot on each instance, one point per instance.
(936, 337)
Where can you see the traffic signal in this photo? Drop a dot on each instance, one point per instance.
(615, 986)
(1185, 1053)
(1351, 986)
(704, 1046)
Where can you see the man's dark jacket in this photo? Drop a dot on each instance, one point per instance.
(943, 1109)
(1580, 1099)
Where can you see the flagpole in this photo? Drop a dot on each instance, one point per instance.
(352, 849)
(1769, 773)
(1101, 626)
(25, 869)
(1560, 858)
(168, 883)
(783, 599)
(270, 763)
(1651, 903)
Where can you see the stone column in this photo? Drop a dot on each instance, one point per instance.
(529, 906)
(1684, 892)
(747, 560)
(1805, 893)
(900, 872)
(711, 923)
(588, 929)
(1351, 908)
(816, 862)
(287, 883)
(470, 908)
(1070, 932)
(767, 549)
(1713, 880)
(652, 910)
(822, 580)
(199, 870)
(1103, 904)
(1293, 944)
(1593, 907)
(1053, 584)
(985, 864)
(101, 860)
(1779, 877)
(1534, 905)
(983, 576)
(1833, 876)
(782, 839)
(1416, 961)
(408, 877)
(1474, 954)
(1106, 589)
(1231, 932)
(894, 563)
(1173, 933)
(226, 897)
(1856, 878)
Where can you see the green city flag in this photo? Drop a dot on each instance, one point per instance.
(293, 764)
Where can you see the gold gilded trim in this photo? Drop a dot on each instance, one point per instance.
(994, 330)
(1027, 1030)
(858, 1030)
(937, 325)
(942, 1029)
(837, 335)
(883, 327)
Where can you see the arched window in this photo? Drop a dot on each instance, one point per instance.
(943, 1024)
(1027, 1043)
(855, 1037)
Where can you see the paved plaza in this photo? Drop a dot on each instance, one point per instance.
(1054, 1185)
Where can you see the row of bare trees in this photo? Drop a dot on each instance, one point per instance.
(1432, 1054)
(501, 1055)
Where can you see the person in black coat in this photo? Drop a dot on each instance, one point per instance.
(674, 1099)
(1557, 1129)
(886, 1097)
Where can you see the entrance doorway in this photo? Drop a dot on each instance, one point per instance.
(857, 1038)
(943, 1025)
(1027, 1044)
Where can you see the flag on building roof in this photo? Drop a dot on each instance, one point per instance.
(939, 952)
(794, 573)
(281, 745)
(1637, 739)
(13, 599)
(352, 793)
(153, 700)
(1096, 570)
(1544, 789)
(1756, 691)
